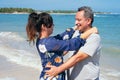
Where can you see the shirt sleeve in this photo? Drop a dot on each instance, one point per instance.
(65, 35)
(53, 44)
(92, 44)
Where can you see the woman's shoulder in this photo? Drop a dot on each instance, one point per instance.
(46, 40)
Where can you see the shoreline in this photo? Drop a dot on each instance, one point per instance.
(54, 13)
(14, 13)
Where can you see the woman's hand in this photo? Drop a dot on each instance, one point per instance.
(87, 33)
(94, 30)
(75, 27)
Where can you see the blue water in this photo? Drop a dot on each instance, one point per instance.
(13, 35)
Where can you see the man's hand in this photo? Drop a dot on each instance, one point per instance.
(50, 78)
(54, 71)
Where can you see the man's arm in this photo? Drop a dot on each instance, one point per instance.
(68, 64)
(90, 47)
(78, 57)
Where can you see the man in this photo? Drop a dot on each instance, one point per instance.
(86, 60)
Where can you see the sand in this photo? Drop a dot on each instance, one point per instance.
(17, 72)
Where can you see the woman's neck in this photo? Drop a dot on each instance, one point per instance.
(43, 35)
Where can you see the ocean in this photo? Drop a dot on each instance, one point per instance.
(14, 48)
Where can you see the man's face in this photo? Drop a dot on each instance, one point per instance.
(80, 21)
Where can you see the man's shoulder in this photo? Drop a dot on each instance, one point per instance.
(94, 36)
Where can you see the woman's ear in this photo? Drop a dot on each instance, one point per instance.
(43, 28)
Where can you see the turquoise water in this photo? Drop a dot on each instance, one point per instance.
(13, 37)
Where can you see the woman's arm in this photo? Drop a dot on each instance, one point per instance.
(66, 35)
(86, 34)
(53, 44)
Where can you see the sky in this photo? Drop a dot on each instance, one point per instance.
(97, 5)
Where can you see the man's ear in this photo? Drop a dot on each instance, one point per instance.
(89, 20)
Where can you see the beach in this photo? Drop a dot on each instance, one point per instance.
(13, 71)
(20, 61)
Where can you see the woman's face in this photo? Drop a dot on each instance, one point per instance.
(50, 30)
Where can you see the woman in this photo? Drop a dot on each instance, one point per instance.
(50, 48)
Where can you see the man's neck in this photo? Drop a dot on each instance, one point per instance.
(86, 29)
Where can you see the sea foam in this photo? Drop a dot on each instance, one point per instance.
(16, 49)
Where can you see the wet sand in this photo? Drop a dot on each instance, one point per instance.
(17, 72)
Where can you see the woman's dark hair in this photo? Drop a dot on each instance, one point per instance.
(35, 21)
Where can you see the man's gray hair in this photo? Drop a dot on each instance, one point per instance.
(88, 13)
